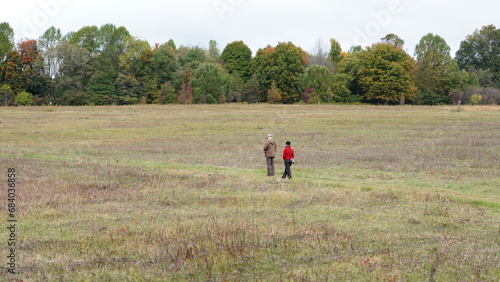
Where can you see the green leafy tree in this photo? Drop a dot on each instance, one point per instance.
(335, 52)
(393, 39)
(322, 82)
(51, 37)
(172, 44)
(435, 68)
(252, 92)
(163, 63)
(112, 43)
(75, 98)
(476, 99)
(348, 70)
(101, 83)
(7, 96)
(134, 65)
(284, 65)
(485, 78)
(264, 68)
(6, 39)
(461, 79)
(214, 51)
(153, 69)
(208, 81)
(150, 93)
(128, 88)
(356, 48)
(129, 60)
(167, 94)
(24, 99)
(47, 45)
(105, 46)
(386, 74)
(237, 58)
(87, 38)
(72, 72)
(191, 56)
(480, 51)
(291, 61)
(234, 88)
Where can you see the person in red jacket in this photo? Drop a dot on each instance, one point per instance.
(289, 159)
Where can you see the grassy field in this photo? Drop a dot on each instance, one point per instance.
(159, 193)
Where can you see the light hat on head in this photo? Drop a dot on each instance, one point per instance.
(269, 136)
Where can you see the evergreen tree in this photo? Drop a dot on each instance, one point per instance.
(237, 58)
(208, 81)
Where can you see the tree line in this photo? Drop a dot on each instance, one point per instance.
(108, 66)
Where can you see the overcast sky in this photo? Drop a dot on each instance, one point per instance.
(260, 22)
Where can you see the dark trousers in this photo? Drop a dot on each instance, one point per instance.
(270, 166)
(288, 171)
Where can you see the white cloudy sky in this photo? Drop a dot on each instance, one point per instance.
(260, 22)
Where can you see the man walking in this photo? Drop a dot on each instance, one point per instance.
(270, 151)
(289, 159)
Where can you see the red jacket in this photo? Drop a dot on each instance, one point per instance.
(288, 153)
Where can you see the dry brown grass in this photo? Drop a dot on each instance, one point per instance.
(152, 193)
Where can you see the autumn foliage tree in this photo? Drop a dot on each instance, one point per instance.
(12, 71)
(274, 94)
(107, 65)
(386, 74)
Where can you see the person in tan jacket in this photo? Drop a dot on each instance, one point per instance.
(270, 148)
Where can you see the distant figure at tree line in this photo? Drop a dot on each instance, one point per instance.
(270, 148)
(289, 159)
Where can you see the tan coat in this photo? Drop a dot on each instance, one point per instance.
(270, 148)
